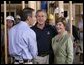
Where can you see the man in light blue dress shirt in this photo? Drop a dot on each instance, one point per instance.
(22, 39)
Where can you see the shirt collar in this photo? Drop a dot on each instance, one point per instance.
(46, 25)
(23, 22)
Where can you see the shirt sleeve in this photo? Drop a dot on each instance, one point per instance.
(33, 45)
(69, 50)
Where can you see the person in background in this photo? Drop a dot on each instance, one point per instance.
(9, 24)
(80, 26)
(22, 39)
(62, 44)
(18, 19)
(10, 21)
(51, 20)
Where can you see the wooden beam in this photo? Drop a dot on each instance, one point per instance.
(32, 4)
(48, 7)
(23, 4)
(38, 5)
(61, 7)
(9, 8)
(70, 16)
(5, 33)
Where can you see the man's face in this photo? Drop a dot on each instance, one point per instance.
(32, 19)
(9, 23)
(41, 17)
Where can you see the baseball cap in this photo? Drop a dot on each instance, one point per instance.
(51, 16)
(17, 16)
(10, 18)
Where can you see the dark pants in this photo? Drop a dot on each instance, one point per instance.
(81, 57)
(51, 57)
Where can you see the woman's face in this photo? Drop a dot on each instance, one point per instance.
(60, 27)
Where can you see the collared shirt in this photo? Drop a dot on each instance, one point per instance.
(22, 42)
(44, 37)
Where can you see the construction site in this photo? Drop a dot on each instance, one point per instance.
(71, 10)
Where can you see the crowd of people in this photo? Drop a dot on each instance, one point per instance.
(42, 43)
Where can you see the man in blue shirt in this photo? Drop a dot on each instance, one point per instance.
(22, 39)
